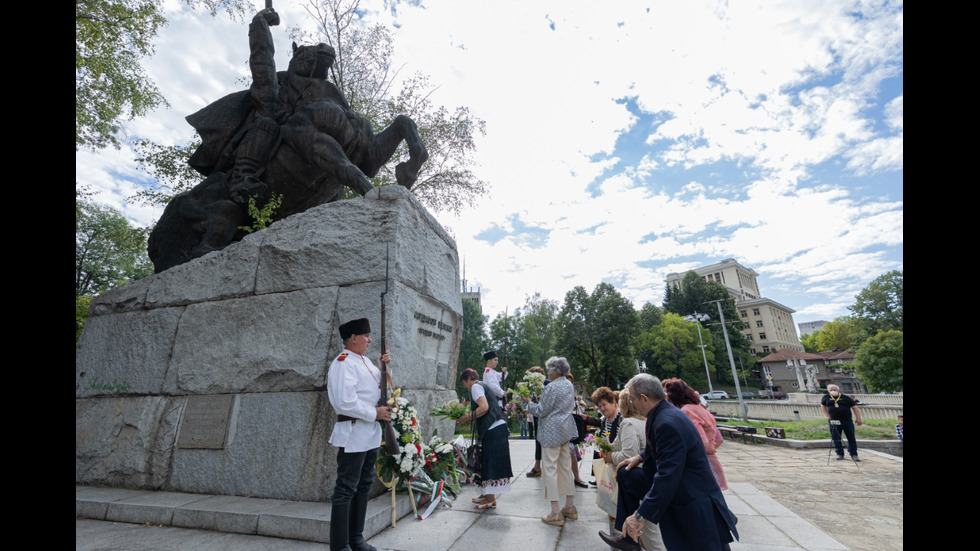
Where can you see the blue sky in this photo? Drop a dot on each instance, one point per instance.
(629, 141)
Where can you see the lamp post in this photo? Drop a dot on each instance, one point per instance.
(731, 360)
(698, 318)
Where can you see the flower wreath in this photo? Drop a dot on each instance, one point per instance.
(411, 456)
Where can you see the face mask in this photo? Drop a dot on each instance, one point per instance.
(834, 393)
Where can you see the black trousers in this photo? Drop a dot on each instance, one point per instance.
(355, 474)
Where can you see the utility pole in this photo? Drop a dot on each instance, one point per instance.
(731, 359)
(698, 318)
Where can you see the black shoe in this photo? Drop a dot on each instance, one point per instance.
(854, 457)
(619, 542)
(592, 482)
(581, 484)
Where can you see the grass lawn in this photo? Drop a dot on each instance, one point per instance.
(816, 429)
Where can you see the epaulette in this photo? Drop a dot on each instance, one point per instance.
(342, 357)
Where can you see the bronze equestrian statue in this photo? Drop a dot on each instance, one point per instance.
(292, 134)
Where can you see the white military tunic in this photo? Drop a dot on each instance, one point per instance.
(353, 386)
(492, 378)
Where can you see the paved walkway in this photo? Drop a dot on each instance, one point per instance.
(785, 499)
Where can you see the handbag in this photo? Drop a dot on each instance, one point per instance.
(474, 457)
(581, 427)
(607, 486)
(474, 454)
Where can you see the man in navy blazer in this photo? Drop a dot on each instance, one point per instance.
(674, 486)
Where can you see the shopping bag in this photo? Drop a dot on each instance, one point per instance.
(605, 479)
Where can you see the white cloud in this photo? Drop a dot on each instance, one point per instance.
(772, 120)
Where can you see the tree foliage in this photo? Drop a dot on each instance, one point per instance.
(81, 314)
(879, 361)
(879, 305)
(112, 37)
(843, 333)
(697, 295)
(595, 332)
(168, 165)
(525, 337)
(676, 352)
(473, 342)
(108, 251)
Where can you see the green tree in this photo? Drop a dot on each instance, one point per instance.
(649, 315)
(108, 251)
(878, 362)
(811, 342)
(473, 342)
(503, 338)
(879, 305)
(168, 165)
(843, 333)
(675, 349)
(697, 295)
(112, 37)
(530, 336)
(81, 314)
(595, 332)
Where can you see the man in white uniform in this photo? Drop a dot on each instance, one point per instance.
(354, 388)
(492, 377)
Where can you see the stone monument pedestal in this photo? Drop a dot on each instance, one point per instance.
(210, 377)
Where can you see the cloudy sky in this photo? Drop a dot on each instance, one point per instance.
(625, 140)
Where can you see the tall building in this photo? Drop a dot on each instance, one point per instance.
(766, 323)
(808, 327)
(472, 295)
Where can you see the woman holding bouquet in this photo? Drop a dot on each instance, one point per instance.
(555, 429)
(605, 400)
(491, 429)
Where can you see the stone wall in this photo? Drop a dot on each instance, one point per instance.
(210, 377)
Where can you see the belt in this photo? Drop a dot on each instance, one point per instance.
(346, 418)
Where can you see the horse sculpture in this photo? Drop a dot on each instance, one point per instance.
(292, 135)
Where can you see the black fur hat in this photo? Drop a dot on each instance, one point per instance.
(355, 327)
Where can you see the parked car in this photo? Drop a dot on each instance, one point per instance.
(773, 395)
(748, 394)
(716, 395)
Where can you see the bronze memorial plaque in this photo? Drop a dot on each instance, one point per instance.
(204, 422)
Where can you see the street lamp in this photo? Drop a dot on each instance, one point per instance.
(698, 318)
(731, 359)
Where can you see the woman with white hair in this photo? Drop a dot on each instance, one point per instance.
(556, 428)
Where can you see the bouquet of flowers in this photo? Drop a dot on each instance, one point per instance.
(451, 410)
(600, 443)
(513, 410)
(535, 382)
(441, 465)
(410, 458)
(522, 390)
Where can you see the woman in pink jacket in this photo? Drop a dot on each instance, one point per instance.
(687, 399)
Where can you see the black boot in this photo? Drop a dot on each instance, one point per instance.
(358, 513)
(339, 525)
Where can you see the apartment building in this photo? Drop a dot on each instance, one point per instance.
(766, 323)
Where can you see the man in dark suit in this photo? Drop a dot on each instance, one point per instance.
(674, 487)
